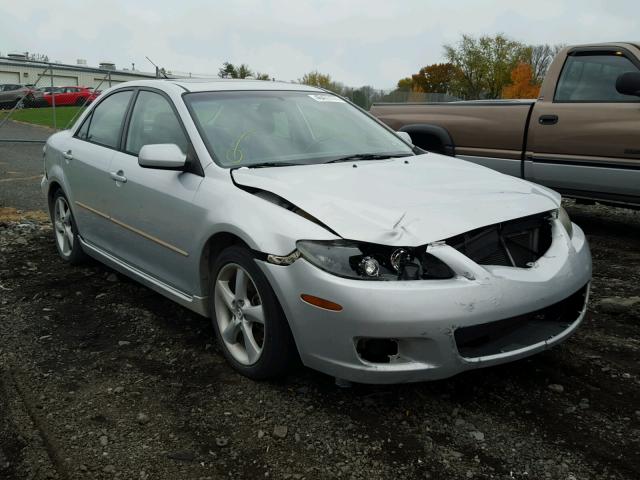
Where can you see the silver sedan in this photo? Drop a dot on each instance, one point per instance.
(304, 228)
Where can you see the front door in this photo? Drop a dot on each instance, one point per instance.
(152, 209)
(587, 138)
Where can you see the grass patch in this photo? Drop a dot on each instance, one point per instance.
(43, 116)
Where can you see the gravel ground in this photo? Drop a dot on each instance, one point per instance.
(102, 378)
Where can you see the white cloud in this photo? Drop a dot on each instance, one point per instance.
(358, 42)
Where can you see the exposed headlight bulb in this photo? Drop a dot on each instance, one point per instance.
(398, 257)
(369, 267)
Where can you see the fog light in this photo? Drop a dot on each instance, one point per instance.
(377, 350)
(369, 267)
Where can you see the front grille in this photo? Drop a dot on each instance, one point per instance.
(516, 243)
(518, 332)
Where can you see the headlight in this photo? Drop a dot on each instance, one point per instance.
(563, 216)
(366, 261)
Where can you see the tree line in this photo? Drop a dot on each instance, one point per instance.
(485, 67)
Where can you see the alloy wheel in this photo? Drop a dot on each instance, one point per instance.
(63, 226)
(239, 314)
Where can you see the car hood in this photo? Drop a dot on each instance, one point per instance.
(407, 201)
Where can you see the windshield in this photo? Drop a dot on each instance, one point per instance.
(244, 128)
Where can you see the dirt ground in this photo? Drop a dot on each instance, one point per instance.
(102, 378)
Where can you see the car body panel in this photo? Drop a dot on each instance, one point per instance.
(403, 202)
(423, 315)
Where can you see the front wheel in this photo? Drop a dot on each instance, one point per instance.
(66, 232)
(248, 320)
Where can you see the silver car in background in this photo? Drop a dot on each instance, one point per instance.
(12, 94)
(305, 228)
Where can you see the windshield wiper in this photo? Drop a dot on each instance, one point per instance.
(271, 164)
(368, 156)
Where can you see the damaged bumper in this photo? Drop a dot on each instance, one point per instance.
(431, 329)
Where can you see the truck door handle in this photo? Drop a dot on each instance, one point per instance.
(67, 155)
(118, 176)
(548, 119)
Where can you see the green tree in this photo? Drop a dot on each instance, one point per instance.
(405, 84)
(229, 70)
(436, 78)
(485, 64)
(321, 80)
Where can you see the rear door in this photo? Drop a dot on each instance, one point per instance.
(153, 208)
(586, 139)
(88, 158)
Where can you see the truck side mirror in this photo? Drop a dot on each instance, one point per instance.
(629, 83)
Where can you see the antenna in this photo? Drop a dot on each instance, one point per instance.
(158, 69)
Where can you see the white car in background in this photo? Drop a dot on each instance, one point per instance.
(304, 227)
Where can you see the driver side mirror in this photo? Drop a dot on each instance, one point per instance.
(162, 156)
(629, 84)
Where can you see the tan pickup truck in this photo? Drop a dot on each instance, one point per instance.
(580, 137)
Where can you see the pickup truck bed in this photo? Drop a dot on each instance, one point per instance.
(580, 137)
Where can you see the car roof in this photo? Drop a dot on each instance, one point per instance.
(222, 84)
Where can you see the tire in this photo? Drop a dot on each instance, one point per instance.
(270, 351)
(80, 102)
(65, 230)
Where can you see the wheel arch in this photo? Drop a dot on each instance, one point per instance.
(54, 187)
(433, 138)
(211, 249)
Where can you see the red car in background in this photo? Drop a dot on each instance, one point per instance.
(70, 95)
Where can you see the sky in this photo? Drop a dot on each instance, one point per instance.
(357, 42)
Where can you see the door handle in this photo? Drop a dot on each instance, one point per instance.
(118, 176)
(67, 155)
(548, 119)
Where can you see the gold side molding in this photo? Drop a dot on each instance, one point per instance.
(133, 229)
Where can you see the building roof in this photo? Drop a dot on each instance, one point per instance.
(18, 62)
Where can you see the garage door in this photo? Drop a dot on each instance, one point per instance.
(9, 77)
(58, 81)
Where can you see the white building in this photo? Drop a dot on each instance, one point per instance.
(17, 69)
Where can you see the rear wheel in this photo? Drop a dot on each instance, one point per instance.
(65, 230)
(80, 101)
(247, 318)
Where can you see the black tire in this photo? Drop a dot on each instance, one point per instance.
(80, 102)
(74, 254)
(279, 353)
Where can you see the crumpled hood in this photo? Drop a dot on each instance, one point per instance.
(390, 202)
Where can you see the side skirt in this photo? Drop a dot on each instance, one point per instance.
(193, 303)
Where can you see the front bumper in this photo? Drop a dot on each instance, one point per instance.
(422, 316)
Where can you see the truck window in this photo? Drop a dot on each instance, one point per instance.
(592, 78)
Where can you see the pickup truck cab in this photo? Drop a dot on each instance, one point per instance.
(581, 136)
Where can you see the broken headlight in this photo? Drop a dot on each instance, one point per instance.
(367, 261)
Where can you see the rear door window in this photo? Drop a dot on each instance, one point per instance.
(107, 118)
(592, 78)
